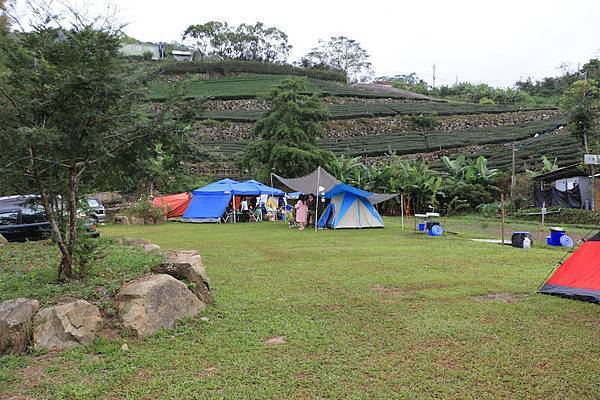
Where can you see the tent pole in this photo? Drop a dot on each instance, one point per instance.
(234, 210)
(317, 198)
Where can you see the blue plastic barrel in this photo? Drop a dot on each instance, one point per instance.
(555, 235)
(421, 227)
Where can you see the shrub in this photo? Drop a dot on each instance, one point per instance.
(489, 209)
(571, 216)
(253, 67)
(147, 55)
(461, 196)
(486, 100)
(423, 121)
(144, 210)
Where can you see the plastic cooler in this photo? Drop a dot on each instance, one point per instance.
(518, 237)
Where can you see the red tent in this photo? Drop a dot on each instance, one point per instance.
(579, 276)
(174, 205)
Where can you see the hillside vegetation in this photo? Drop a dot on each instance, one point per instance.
(251, 86)
(361, 110)
(231, 103)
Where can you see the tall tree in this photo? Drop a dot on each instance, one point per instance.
(581, 104)
(243, 42)
(287, 133)
(69, 103)
(342, 54)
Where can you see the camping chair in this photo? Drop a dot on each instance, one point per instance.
(228, 218)
(255, 216)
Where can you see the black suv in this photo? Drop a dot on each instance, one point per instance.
(21, 220)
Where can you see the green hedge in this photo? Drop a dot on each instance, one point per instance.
(252, 67)
(570, 216)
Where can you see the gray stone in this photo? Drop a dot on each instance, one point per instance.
(66, 325)
(16, 320)
(148, 248)
(154, 302)
(188, 265)
(3, 240)
(121, 219)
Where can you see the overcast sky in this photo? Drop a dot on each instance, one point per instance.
(480, 41)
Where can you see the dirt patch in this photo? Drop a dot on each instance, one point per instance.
(331, 307)
(393, 291)
(208, 371)
(502, 297)
(275, 340)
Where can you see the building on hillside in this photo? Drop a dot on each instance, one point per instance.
(141, 49)
(160, 51)
(182, 55)
(569, 186)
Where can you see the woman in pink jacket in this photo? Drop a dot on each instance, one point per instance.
(301, 212)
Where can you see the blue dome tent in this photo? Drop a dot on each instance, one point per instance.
(349, 207)
(210, 202)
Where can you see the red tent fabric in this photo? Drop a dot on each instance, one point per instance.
(579, 276)
(174, 205)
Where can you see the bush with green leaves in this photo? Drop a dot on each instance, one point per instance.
(423, 122)
(228, 67)
(144, 210)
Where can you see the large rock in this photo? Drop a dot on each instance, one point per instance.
(3, 240)
(16, 319)
(66, 325)
(188, 265)
(154, 302)
(191, 257)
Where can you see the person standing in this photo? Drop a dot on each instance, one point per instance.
(301, 212)
(244, 209)
(310, 205)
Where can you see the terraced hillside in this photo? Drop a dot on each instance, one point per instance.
(372, 121)
(251, 86)
(364, 110)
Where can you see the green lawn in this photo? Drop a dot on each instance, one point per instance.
(365, 314)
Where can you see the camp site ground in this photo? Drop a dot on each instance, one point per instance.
(377, 313)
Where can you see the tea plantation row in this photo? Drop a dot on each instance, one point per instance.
(363, 110)
(418, 142)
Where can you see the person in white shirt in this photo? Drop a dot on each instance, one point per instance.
(244, 209)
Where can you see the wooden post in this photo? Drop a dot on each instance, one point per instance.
(402, 209)
(543, 216)
(513, 179)
(503, 214)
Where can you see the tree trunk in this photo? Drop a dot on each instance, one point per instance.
(65, 268)
(72, 186)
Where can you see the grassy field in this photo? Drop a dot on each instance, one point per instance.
(365, 314)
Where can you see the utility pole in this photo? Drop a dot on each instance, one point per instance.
(433, 75)
(513, 178)
(456, 83)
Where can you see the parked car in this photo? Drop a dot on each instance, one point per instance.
(96, 209)
(21, 219)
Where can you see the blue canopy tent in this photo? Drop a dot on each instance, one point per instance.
(210, 202)
(349, 207)
(262, 188)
